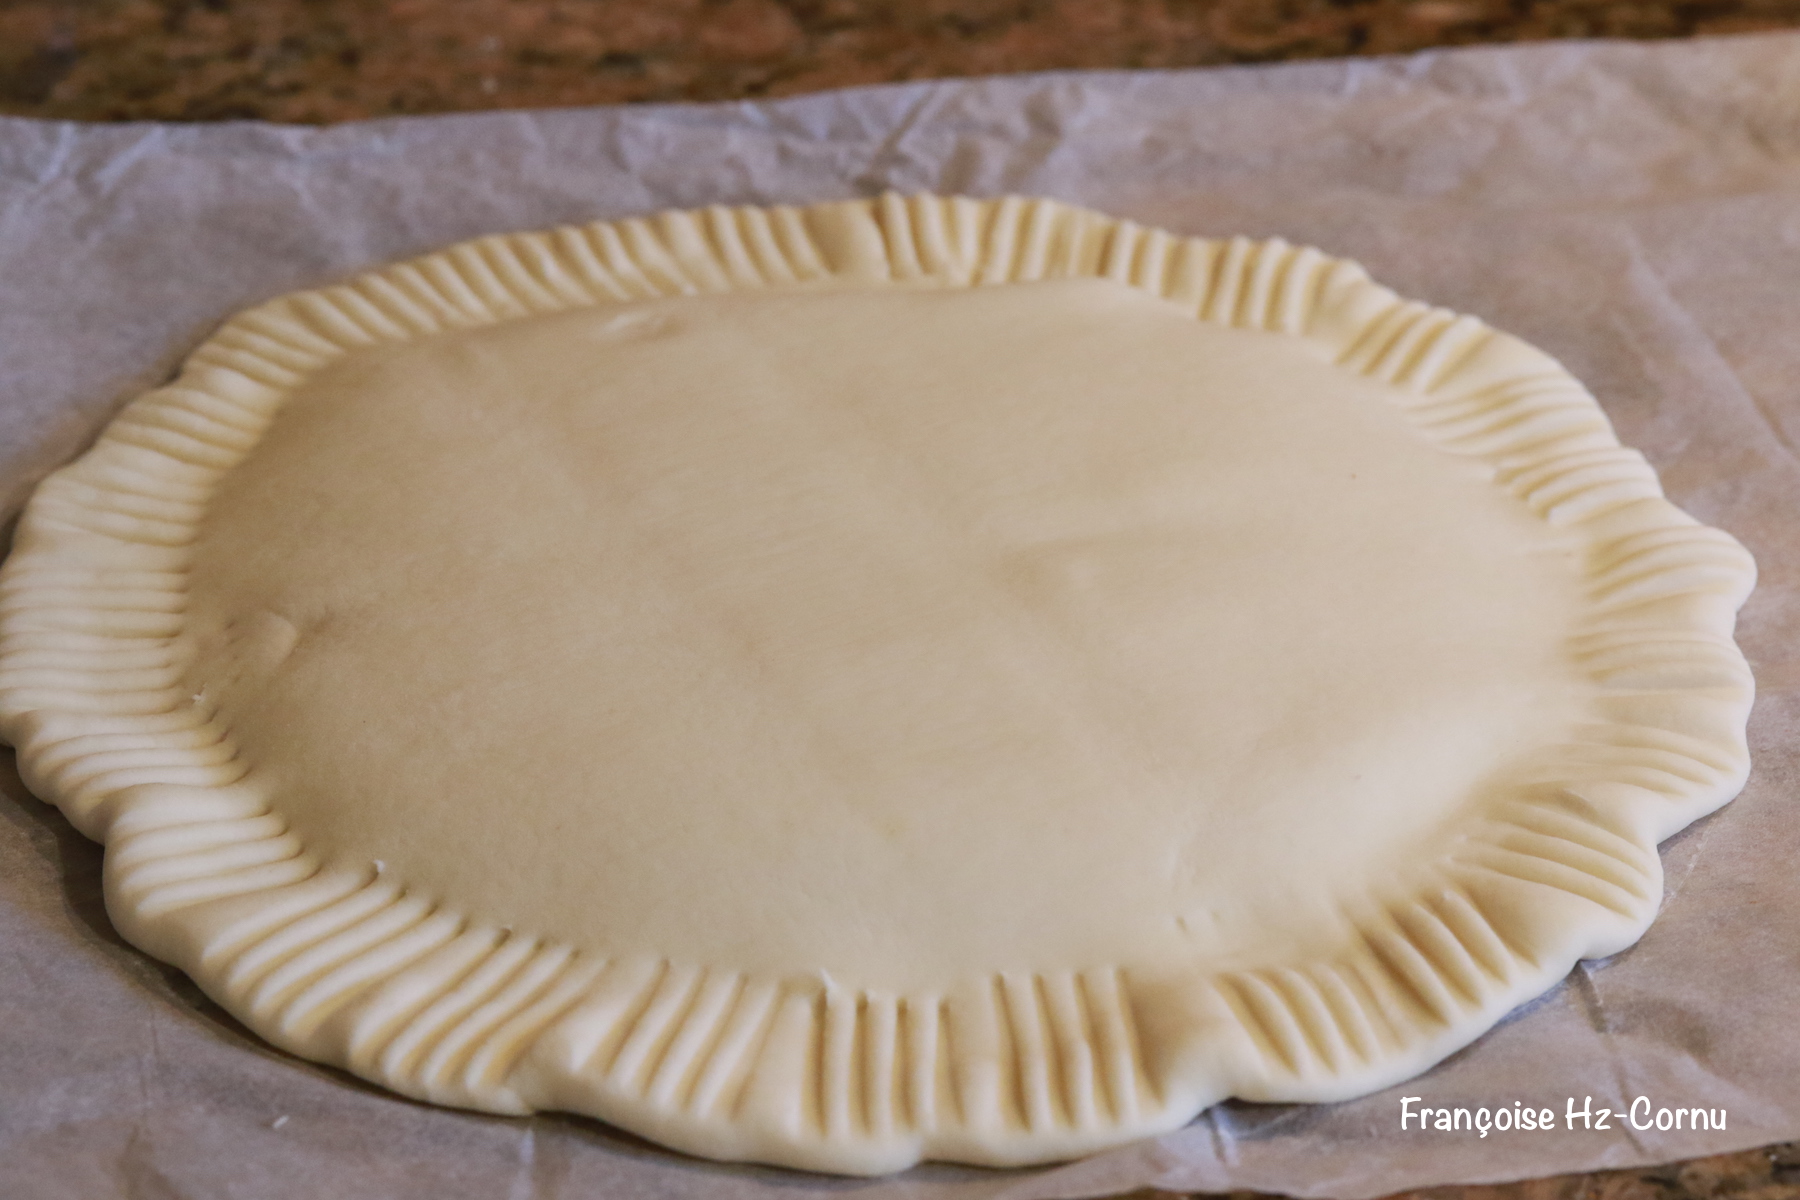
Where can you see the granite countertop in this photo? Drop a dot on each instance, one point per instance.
(337, 60)
(321, 61)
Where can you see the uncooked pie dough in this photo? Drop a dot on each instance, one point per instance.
(909, 678)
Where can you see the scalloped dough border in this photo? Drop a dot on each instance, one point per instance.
(359, 971)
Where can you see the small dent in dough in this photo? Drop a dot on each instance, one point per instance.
(636, 326)
(1200, 923)
(268, 639)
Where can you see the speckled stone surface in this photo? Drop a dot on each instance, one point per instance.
(1772, 1173)
(335, 60)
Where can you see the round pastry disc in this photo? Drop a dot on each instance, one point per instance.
(908, 678)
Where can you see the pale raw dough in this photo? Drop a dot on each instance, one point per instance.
(901, 634)
(984, 682)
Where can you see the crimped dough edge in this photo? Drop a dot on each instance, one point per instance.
(358, 971)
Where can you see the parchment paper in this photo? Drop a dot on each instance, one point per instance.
(1635, 210)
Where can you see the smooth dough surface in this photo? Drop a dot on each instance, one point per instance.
(898, 635)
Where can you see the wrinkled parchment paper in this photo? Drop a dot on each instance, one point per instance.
(1635, 210)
